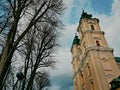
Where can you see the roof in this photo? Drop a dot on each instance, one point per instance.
(76, 40)
(117, 59)
(85, 15)
(115, 83)
(116, 80)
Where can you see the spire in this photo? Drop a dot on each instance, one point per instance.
(76, 40)
(85, 15)
(82, 10)
(75, 33)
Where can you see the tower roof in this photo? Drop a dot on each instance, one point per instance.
(85, 15)
(117, 59)
(115, 83)
(76, 40)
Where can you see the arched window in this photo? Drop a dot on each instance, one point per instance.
(88, 68)
(98, 43)
(84, 45)
(92, 27)
(92, 86)
(82, 79)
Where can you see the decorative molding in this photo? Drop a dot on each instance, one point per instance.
(82, 59)
(98, 38)
(93, 31)
(91, 22)
(110, 75)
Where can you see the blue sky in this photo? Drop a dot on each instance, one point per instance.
(107, 11)
(96, 6)
(102, 6)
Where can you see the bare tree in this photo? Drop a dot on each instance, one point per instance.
(37, 49)
(40, 45)
(10, 79)
(42, 80)
(35, 13)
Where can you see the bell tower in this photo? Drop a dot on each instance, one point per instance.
(94, 65)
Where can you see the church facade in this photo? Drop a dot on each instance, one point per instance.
(94, 65)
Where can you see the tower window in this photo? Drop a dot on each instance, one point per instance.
(98, 43)
(88, 68)
(76, 86)
(92, 27)
(84, 45)
(82, 79)
(92, 86)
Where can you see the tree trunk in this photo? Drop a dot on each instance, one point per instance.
(30, 83)
(5, 63)
(7, 53)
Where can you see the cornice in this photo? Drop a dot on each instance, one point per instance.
(93, 31)
(82, 59)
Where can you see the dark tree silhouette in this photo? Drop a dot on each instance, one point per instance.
(20, 17)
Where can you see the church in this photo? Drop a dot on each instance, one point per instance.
(94, 65)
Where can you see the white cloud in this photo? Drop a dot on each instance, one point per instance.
(109, 24)
(116, 7)
(77, 5)
(68, 34)
(68, 6)
(68, 3)
(64, 66)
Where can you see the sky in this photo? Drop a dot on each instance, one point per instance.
(107, 11)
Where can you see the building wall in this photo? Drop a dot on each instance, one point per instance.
(94, 66)
(118, 65)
